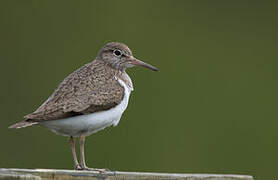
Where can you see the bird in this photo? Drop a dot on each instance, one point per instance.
(89, 99)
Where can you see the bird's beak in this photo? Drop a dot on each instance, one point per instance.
(137, 62)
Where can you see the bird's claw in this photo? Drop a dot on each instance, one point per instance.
(82, 168)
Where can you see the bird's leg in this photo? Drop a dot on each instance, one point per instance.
(82, 154)
(82, 157)
(72, 147)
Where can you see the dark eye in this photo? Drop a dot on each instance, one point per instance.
(117, 52)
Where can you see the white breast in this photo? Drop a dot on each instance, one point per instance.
(90, 123)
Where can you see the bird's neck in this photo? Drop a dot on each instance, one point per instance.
(125, 78)
(118, 73)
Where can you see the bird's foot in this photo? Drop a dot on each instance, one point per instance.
(77, 167)
(93, 169)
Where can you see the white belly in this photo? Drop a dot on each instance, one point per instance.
(90, 123)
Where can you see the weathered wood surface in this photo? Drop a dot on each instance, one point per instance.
(55, 174)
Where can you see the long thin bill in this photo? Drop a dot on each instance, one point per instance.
(137, 62)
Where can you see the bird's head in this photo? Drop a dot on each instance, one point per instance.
(120, 57)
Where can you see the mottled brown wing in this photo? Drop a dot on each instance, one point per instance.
(90, 89)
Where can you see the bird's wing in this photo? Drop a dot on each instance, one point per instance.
(89, 89)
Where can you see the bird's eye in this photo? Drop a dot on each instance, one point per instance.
(117, 52)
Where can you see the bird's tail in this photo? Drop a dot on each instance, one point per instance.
(22, 124)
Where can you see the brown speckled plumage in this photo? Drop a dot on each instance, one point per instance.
(91, 88)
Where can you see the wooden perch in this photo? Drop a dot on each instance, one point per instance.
(58, 174)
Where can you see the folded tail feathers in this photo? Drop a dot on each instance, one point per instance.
(22, 124)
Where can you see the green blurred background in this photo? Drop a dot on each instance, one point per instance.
(212, 107)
